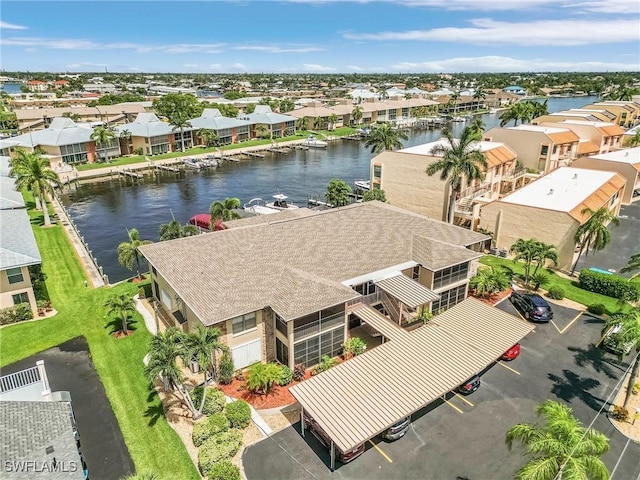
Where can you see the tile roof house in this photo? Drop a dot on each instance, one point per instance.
(595, 137)
(153, 136)
(229, 130)
(282, 286)
(277, 124)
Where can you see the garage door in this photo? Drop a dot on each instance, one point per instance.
(247, 354)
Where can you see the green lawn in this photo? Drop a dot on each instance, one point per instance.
(571, 289)
(151, 442)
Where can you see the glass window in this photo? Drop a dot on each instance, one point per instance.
(377, 171)
(415, 274)
(450, 275)
(281, 326)
(243, 323)
(544, 150)
(15, 275)
(449, 298)
(282, 352)
(19, 298)
(310, 351)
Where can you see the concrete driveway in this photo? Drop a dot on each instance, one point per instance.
(464, 438)
(625, 241)
(69, 367)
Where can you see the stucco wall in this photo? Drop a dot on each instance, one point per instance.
(7, 290)
(628, 171)
(526, 144)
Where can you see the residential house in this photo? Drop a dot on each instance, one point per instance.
(626, 113)
(575, 114)
(539, 148)
(228, 130)
(284, 288)
(152, 136)
(625, 162)
(18, 249)
(551, 208)
(401, 174)
(37, 86)
(515, 89)
(595, 137)
(276, 125)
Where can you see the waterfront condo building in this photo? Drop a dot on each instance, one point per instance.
(290, 286)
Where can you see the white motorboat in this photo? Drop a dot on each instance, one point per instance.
(193, 163)
(280, 203)
(258, 207)
(458, 118)
(362, 184)
(312, 142)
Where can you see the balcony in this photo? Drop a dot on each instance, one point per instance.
(317, 326)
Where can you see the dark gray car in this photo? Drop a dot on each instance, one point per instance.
(532, 306)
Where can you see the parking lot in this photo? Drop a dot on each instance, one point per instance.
(463, 438)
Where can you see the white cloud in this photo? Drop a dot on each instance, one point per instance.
(277, 49)
(80, 44)
(314, 67)
(11, 26)
(239, 66)
(485, 31)
(508, 64)
(355, 68)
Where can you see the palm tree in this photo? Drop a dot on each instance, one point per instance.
(332, 119)
(121, 305)
(594, 233)
(374, 194)
(356, 114)
(103, 137)
(635, 140)
(261, 131)
(34, 173)
(173, 230)
(489, 281)
(629, 333)
(144, 475)
(128, 252)
(303, 123)
(526, 251)
(461, 162)
(384, 137)
(561, 447)
(224, 210)
(125, 137)
(478, 95)
(477, 126)
(318, 122)
(453, 100)
(515, 112)
(544, 252)
(209, 137)
(203, 344)
(632, 265)
(337, 193)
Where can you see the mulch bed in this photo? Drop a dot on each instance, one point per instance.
(277, 397)
(493, 299)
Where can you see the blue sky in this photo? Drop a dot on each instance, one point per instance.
(321, 36)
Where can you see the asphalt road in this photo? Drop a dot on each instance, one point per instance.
(69, 367)
(465, 441)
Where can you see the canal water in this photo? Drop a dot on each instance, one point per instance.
(104, 211)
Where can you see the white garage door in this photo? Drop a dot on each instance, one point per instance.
(247, 354)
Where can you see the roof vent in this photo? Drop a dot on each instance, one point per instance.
(626, 154)
(550, 191)
(575, 176)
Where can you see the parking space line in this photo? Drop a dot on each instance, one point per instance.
(385, 456)
(463, 399)
(452, 405)
(554, 324)
(508, 368)
(571, 323)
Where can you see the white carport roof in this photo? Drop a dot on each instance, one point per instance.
(360, 398)
(408, 291)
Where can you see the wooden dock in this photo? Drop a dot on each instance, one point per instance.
(167, 168)
(130, 174)
(255, 154)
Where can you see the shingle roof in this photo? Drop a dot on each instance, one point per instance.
(360, 398)
(212, 118)
(39, 113)
(263, 114)
(27, 429)
(62, 131)
(147, 125)
(18, 246)
(235, 271)
(9, 196)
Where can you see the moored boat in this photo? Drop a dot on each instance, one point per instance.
(193, 163)
(362, 184)
(312, 142)
(258, 207)
(280, 203)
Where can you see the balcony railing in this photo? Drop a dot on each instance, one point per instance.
(19, 379)
(476, 190)
(366, 299)
(514, 174)
(318, 326)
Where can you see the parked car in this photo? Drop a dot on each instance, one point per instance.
(397, 430)
(512, 353)
(470, 385)
(319, 433)
(612, 343)
(532, 306)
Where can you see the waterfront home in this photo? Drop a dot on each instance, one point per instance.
(626, 113)
(18, 249)
(31, 119)
(285, 287)
(228, 130)
(588, 115)
(65, 142)
(401, 174)
(515, 89)
(152, 136)
(550, 209)
(276, 125)
(626, 162)
(539, 148)
(595, 137)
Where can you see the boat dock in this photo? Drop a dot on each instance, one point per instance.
(255, 154)
(130, 174)
(166, 168)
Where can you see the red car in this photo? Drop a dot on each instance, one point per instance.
(512, 353)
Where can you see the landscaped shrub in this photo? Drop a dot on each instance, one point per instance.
(15, 314)
(220, 447)
(262, 376)
(620, 413)
(238, 413)
(224, 470)
(538, 280)
(225, 369)
(216, 423)
(285, 376)
(326, 363)
(214, 402)
(556, 293)
(353, 346)
(596, 309)
(298, 371)
(609, 285)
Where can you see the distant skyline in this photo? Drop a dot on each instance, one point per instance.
(321, 36)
